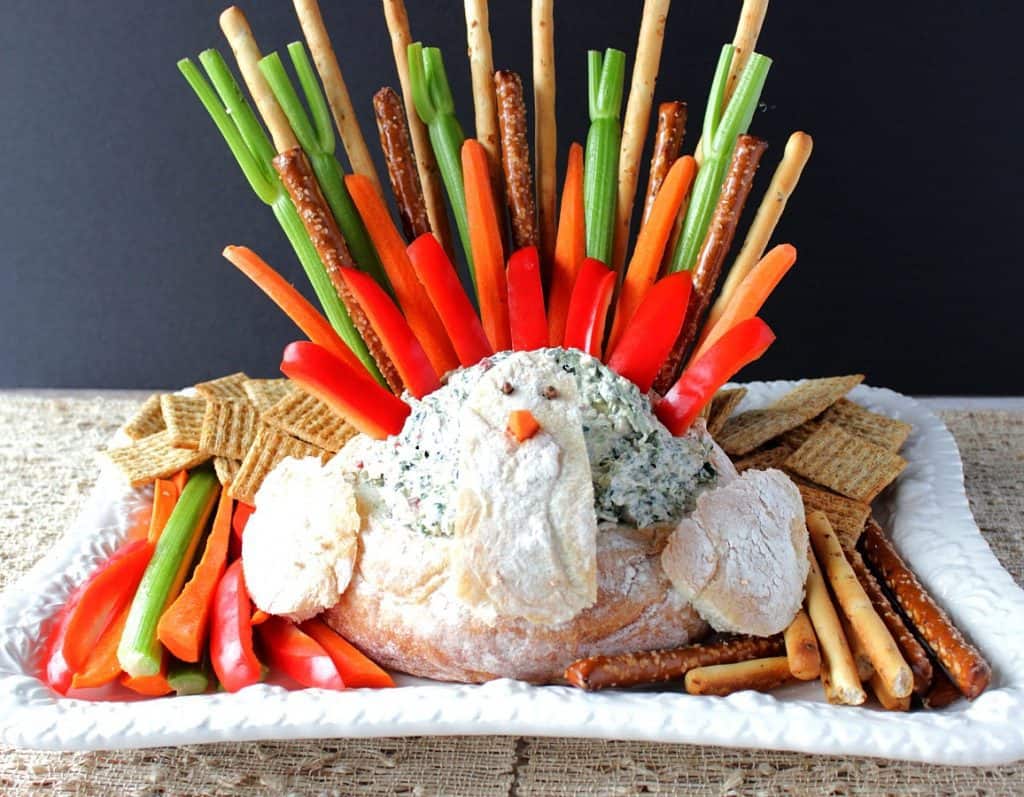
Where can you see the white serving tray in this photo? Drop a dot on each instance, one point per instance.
(927, 512)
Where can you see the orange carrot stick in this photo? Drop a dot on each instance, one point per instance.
(182, 627)
(650, 244)
(570, 246)
(485, 243)
(149, 685)
(180, 479)
(259, 617)
(750, 295)
(412, 298)
(165, 496)
(102, 666)
(355, 669)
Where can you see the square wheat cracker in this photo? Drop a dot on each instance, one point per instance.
(881, 430)
(265, 393)
(226, 469)
(308, 418)
(153, 457)
(723, 405)
(773, 457)
(229, 428)
(149, 419)
(846, 515)
(267, 450)
(225, 387)
(184, 418)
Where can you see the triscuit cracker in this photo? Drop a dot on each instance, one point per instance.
(229, 428)
(265, 393)
(226, 469)
(881, 430)
(846, 515)
(773, 457)
(184, 418)
(268, 449)
(795, 438)
(148, 420)
(225, 387)
(744, 432)
(308, 418)
(845, 463)
(154, 457)
(722, 406)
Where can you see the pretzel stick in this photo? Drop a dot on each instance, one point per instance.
(515, 158)
(784, 181)
(965, 665)
(405, 180)
(802, 648)
(398, 27)
(838, 672)
(313, 28)
(545, 135)
(706, 270)
(300, 182)
(636, 119)
(762, 675)
(654, 666)
(247, 53)
(888, 700)
(942, 691)
(668, 141)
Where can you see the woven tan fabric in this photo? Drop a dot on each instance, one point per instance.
(47, 445)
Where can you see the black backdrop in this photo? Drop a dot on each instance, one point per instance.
(119, 194)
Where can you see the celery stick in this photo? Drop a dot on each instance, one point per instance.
(140, 653)
(189, 679)
(606, 76)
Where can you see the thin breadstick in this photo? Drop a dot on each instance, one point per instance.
(247, 53)
(636, 119)
(545, 129)
(865, 669)
(313, 28)
(802, 648)
(838, 672)
(762, 675)
(515, 158)
(888, 700)
(867, 626)
(430, 179)
(401, 163)
(784, 182)
(481, 67)
(668, 141)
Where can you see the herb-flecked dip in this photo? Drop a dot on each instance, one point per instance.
(642, 475)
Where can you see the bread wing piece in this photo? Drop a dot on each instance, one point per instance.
(741, 557)
(525, 522)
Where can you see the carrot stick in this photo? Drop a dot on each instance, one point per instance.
(313, 325)
(165, 496)
(259, 617)
(149, 685)
(570, 246)
(418, 309)
(102, 666)
(485, 242)
(355, 669)
(182, 627)
(650, 244)
(750, 295)
(180, 479)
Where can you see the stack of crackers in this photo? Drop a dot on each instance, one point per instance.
(245, 426)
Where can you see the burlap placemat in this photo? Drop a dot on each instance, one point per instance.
(47, 447)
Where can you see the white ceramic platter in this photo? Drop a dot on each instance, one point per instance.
(927, 512)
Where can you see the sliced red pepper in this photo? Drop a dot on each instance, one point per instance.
(231, 649)
(238, 521)
(588, 307)
(354, 667)
(367, 406)
(741, 345)
(527, 318)
(649, 336)
(400, 344)
(298, 655)
(55, 670)
(436, 272)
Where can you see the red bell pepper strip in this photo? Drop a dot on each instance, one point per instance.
(436, 272)
(354, 667)
(527, 318)
(366, 405)
(396, 336)
(55, 670)
(298, 655)
(588, 307)
(231, 651)
(647, 339)
(238, 521)
(741, 345)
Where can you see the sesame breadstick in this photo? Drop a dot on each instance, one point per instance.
(545, 129)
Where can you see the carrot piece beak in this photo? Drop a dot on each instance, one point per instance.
(522, 425)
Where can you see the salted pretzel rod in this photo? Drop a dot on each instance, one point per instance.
(545, 136)
(966, 667)
(668, 141)
(401, 163)
(481, 67)
(247, 53)
(301, 184)
(654, 666)
(636, 119)
(515, 158)
(338, 99)
(802, 648)
(784, 182)
(398, 28)
(867, 627)
(761, 675)
(942, 691)
(838, 672)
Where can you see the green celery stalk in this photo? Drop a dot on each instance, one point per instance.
(435, 105)
(316, 136)
(606, 76)
(186, 678)
(718, 148)
(140, 653)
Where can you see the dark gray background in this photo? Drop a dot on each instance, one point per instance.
(119, 194)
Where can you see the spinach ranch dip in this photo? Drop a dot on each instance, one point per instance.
(642, 475)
